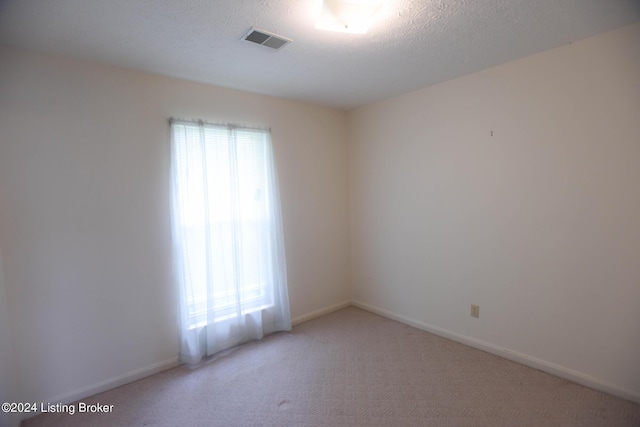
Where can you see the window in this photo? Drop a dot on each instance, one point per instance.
(227, 232)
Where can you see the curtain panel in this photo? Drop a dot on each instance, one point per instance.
(228, 245)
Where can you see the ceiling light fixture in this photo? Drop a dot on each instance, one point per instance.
(348, 16)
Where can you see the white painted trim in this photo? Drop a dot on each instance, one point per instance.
(158, 367)
(321, 312)
(543, 365)
(111, 383)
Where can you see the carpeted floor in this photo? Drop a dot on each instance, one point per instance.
(352, 367)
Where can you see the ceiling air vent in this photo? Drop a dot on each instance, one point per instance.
(266, 38)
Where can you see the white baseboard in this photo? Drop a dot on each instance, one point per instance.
(156, 368)
(110, 383)
(560, 371)
(320, 312)
(551, 368)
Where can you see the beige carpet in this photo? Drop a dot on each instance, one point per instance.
(352, 367)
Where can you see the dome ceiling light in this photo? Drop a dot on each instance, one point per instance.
(348, 16)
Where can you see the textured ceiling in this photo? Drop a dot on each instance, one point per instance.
(412, 44)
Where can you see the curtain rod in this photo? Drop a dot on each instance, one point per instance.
(226, 125)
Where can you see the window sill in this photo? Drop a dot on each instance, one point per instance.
(223, 318)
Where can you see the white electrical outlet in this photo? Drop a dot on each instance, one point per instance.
(475, 310)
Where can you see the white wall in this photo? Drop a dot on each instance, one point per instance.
(84, 224)
(539, 224)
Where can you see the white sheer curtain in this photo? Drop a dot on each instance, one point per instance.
(228, 246)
